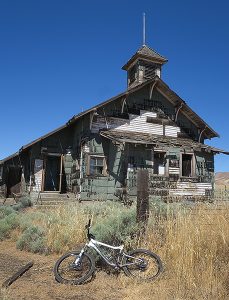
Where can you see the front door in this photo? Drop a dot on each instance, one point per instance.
(53, 173)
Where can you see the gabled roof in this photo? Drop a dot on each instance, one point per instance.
(170, 95)
(185, 109)
(147, 53)
(161, 86)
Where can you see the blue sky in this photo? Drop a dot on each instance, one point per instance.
(59, 57)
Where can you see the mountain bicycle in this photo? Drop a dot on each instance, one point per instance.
(76, 267)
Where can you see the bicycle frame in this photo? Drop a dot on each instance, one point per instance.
(93, 245)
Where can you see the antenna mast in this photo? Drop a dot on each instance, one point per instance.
(144, 29)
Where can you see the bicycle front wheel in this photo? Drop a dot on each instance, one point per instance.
(143, 264)
(66, 271)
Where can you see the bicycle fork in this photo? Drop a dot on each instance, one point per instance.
(78, 260)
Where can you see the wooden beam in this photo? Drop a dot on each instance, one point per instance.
(18, 274)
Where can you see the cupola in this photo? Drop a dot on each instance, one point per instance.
(145, 64)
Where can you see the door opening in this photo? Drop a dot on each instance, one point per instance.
(14, 180)
(187, 165)
(53, 173)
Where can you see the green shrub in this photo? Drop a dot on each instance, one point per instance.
(23, 202)
(13, 220)
(32, 240)
(10, 222)
(118, 227)
(162, 210)
(5, 211)
(4, 230)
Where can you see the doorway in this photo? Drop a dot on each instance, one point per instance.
(14, 180)
(187, 165)
(53, 173)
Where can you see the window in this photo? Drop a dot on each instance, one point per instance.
(174, 163)
(159, 163)
(187, 165)
(132, 74)
(209, 165)
(97, 165)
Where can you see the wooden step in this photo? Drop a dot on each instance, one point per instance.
(53, 195)
(47, 203)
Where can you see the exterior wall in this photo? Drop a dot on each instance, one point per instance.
(81, 140)
(136, 123)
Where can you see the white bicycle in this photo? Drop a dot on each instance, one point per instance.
(76, 267)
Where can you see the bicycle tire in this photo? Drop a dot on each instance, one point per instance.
(141, 269)
(71, 274)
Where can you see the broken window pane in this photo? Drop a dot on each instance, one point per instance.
(97, 165)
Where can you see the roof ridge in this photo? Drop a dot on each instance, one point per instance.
(151, 49)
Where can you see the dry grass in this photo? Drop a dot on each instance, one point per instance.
(194, 247)
(195, 250)
(65, 229)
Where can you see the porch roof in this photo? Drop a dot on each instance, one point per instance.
(157, 140)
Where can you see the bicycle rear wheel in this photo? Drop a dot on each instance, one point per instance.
(143, 264)
(66, 271)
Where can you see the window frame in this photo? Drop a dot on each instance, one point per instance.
(104, 170)
(165, 160)
(193, 165)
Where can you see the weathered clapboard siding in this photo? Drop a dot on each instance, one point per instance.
(174, 170)
(171, 130)
(190, 189)
(145, 114)
(136, 123)
(38, 171)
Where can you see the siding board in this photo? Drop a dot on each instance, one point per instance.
(135, 124)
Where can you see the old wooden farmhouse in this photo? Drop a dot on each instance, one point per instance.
(97, 153)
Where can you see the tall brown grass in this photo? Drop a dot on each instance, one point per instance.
(192, 243)
(194, 246)
(195, 251)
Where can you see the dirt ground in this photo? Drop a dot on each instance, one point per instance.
(39, 282)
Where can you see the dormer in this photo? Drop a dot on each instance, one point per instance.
(143, 65)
